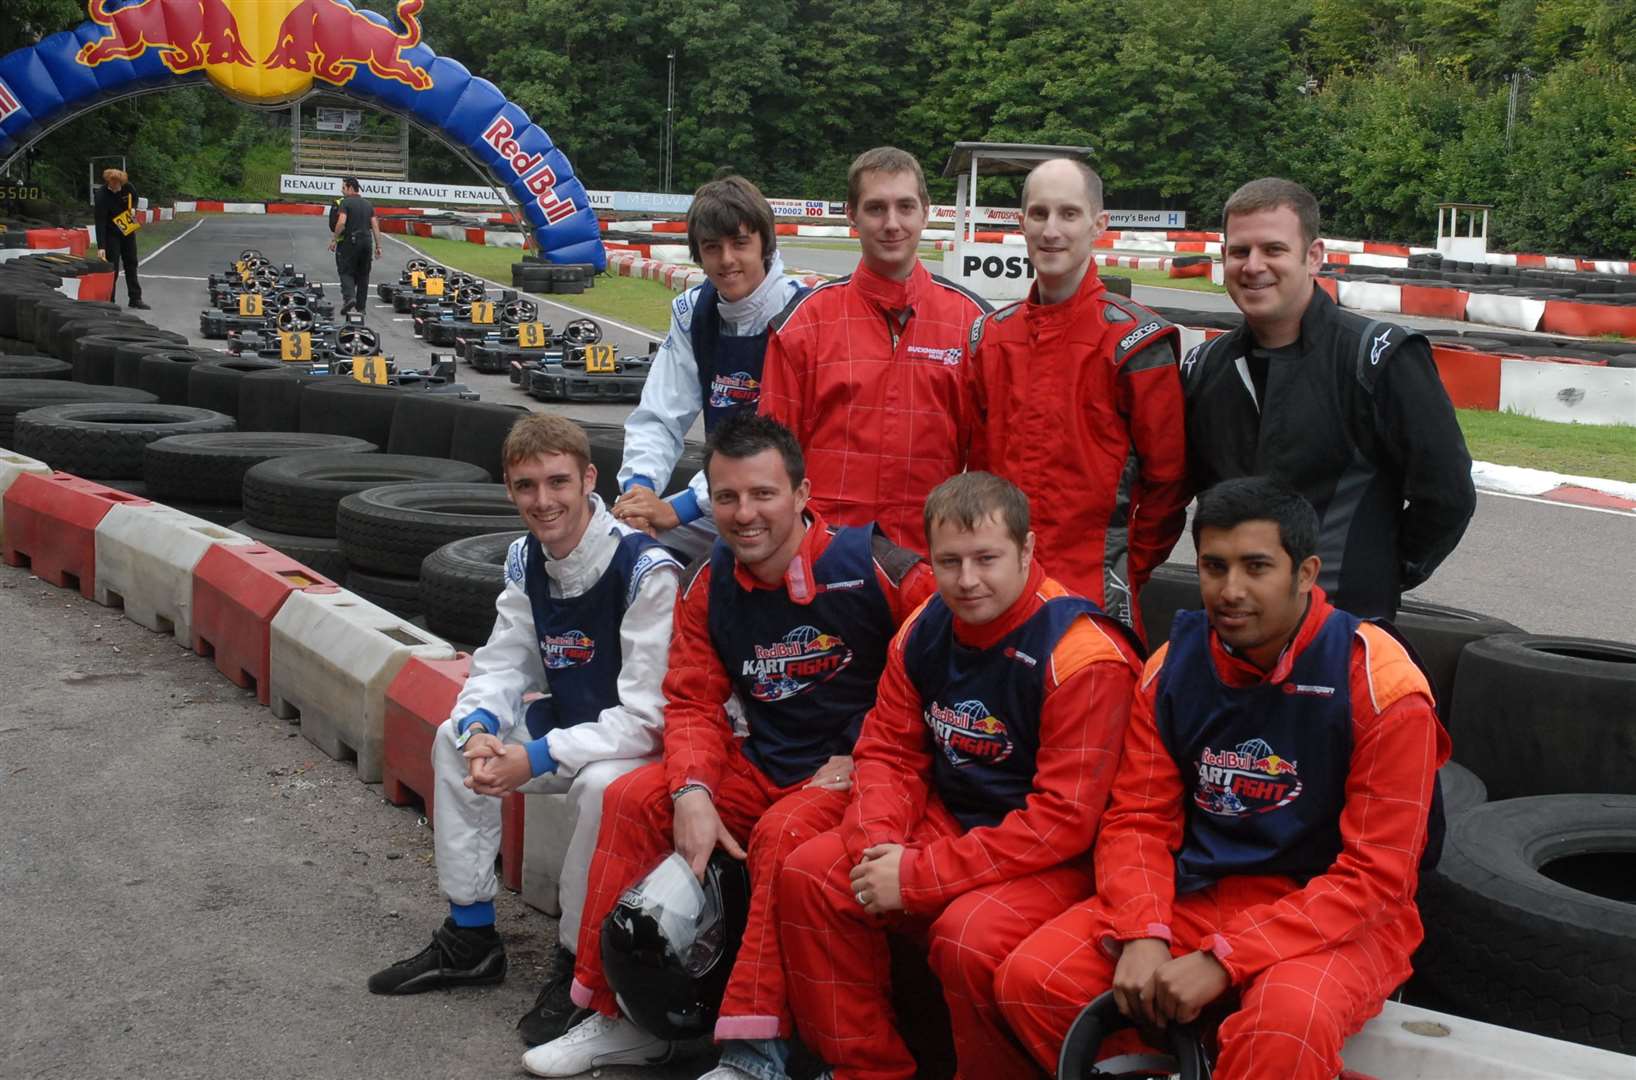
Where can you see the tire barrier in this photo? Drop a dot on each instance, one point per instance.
(331, 658)
(270, 400)
(51, 524)
(418, 700)
(1462, 789)
(1439, 636)
(33, 367)
(459, 583)
(12, 466)
(1529, 919)
(344, 407)
(480, 430)
(1538, 715)
(210, 468)
(236, 593)
(423, 424)
(1173, 587)
(146, 556)
(399, 595)
(321, 553)
(98, 354)
(300, 494)
(393, 528)
(165, 374)
(21, 395)
(101, 440)
(215, 384)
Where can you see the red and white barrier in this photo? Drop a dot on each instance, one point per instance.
(51, 524)
(146, 556)
(236, 593)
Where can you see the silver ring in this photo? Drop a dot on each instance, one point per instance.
(859, 897)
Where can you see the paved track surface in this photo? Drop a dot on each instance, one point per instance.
(192, 890)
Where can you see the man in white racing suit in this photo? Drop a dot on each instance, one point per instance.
(710, 361)
(586, 612)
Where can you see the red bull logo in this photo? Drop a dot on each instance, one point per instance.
(968, 733)
(803, 659)
(1248, 779)
(571, 649)
(260, 50)
(728, 391)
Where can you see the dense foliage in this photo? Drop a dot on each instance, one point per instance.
(1383, 107)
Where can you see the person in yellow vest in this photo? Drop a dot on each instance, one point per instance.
(116, 230)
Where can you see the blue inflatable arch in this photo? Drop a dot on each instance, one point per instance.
(269, 53)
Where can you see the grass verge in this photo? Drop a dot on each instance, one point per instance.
(1607, 451)
(630, 300)
(1161, 280)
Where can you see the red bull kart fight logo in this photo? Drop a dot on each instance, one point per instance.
(1248, 779)
(730, 391)
(969, 733)
(805, 658)
(571, 649)
(273, 52)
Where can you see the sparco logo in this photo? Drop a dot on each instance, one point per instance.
(1144, 331)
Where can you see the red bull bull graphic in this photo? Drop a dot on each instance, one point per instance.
(731, 391)
(968, 733)
(804, 658)
(271, 52)
(1248, 779)
(573, 648)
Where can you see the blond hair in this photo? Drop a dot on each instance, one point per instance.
(110, 175)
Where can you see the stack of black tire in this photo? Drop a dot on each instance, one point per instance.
(1530, 914)
(535, 275)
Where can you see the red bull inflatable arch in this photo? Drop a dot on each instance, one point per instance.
(270, 53)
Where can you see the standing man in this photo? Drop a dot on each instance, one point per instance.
(587, 606)
(1267, 821)
(354, 225)
(1347, 410)
(866, 369)
(710, 362)
(795, 618)
(981, 777)
(1075, 399)
(116, 231)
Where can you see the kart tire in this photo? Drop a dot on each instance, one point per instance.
(424, 424)
(100, 440)
(211, 468)
(459, 583)
(215, 383)
(480, 430)
(320, 554)
(399, 595)
(164, 373)
(345, 407)
(1439, 636)
(21, 395)
(1462, 789)
(34, 367)
(393, 528)
(299, 494)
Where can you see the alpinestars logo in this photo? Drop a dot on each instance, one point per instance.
(803, 659)
(1248, 779)
(1377, 346)
(969, 734)
(730, 391)
(572, 648)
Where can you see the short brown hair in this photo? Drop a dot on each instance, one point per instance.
(721, 207)
(1269, 193)
(1093, 182)
(539, 433)
(887, 159)
(971, 498)
(110, 175)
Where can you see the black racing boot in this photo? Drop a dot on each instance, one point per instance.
(457, 956)
(554, 1011)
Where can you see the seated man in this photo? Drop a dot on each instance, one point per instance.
(590, 601)
(710, 361)
(1267, 821)
(795, 618)
(981, 775)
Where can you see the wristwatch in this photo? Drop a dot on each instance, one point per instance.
(474, 728)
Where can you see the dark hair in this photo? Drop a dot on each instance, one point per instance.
(1093, 182)
(1269, 193)
(351, 182)
(721, 207)
(1260, 498)
(886, 159)
(745, 434)
(969, 498)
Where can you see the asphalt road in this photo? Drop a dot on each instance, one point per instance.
(192, 890)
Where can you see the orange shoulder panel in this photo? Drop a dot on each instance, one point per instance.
(1391, 674)
(1084, 644)
(1151, 670)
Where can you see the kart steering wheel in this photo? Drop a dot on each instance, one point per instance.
(416, 266)
(582, 332)
(357, 341)
(470, 292)
(1102, 1018)
(294, 319)
(519, 311)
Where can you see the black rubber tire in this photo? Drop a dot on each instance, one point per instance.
(459, 583)
(1439, 635)
(299, 494)
(34, 367)
(320, 554)
(345, 407)
(1538, 715)
(480, 430)
(393, 528)
(1173, 587)
(215, 385)
(1506, 944)
(100, 352)
(211, 468)
(165, 373)
(13, 289)
(64, 341)
(1462, 789)
(21, 395)
(399, 595)
(424, 424)
(215, 513)
(607, 453)
(105, 439)
(271, 400)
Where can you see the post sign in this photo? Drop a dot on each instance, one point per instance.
(992, 271)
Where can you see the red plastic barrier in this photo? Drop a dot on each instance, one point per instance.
(1330, 286)
(51, 526)
(420, 228)
(307, 209)
(97, 286)
(1340, 258)
(476, 236)
(210, 206)
(1472, 379)
(1194, 270)
(75, 240)
(1588, 320)
(236, 593)
(417, 702)
(1434, 303)
(786, 228)
(1377, 248)
(1188, 245)
(1531, 260)
(394, 225)
(668, 226)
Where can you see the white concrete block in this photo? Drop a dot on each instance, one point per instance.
(13, 465)
(145, 560)
(1571, 393)
(1518, 312)
(1370, 296)
(548, 825)
(1406, 1043)
(332, 655)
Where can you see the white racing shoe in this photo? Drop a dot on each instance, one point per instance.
(600, 1040)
